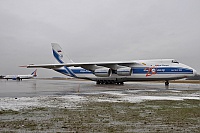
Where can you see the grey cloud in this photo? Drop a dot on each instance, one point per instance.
(98, 31)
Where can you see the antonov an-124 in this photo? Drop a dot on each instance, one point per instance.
(119, 72)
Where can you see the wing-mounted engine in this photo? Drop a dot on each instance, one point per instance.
(125, 71)
(103, 72)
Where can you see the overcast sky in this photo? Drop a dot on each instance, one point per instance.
(97, 30)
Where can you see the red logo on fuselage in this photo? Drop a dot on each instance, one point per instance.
(151, 71)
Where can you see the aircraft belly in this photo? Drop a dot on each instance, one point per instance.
(134, 77)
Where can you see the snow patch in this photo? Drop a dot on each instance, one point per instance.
(67, 101)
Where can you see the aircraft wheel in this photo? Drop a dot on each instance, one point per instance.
(166, 83)
(122, 83)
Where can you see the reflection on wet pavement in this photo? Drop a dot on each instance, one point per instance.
(70, 93)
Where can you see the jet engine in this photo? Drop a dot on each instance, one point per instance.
(125, 71)
(103, 72)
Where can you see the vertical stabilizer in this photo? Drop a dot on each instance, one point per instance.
(58, 53)
(34, 73)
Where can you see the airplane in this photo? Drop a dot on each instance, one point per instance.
(119, 72)
(20, 77)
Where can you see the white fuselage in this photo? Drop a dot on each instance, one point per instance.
(143, 70)
(18, 77)
(119, 71)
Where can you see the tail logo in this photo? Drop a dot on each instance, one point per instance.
(60, 54)
(34, 73)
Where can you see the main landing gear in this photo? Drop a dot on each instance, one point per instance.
(167, 83)
(19, 79)
(107, 82)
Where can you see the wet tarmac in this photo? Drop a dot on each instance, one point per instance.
(17, 95)
(38, 105)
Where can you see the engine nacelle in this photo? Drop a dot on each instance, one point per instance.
(103, 72)
(125, 71)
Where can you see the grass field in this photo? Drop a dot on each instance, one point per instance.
(149, 116)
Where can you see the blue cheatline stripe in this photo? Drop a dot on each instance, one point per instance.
(100, 72)
(81, 71)
(163, 70)
(77, 71)
(135, 71)
(57, 56)
(123, 71)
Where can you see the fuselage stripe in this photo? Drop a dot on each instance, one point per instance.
(135, 71)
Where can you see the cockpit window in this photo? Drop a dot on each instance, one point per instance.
(174, 61)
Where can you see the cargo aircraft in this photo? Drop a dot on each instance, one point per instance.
(118, 72)
(20, 77)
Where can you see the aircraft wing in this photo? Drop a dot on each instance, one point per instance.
(88, 66)
(48, 66)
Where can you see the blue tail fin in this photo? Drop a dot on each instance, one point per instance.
(58, 54)
(34, 73)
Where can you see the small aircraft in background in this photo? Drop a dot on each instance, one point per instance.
(20, 77)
